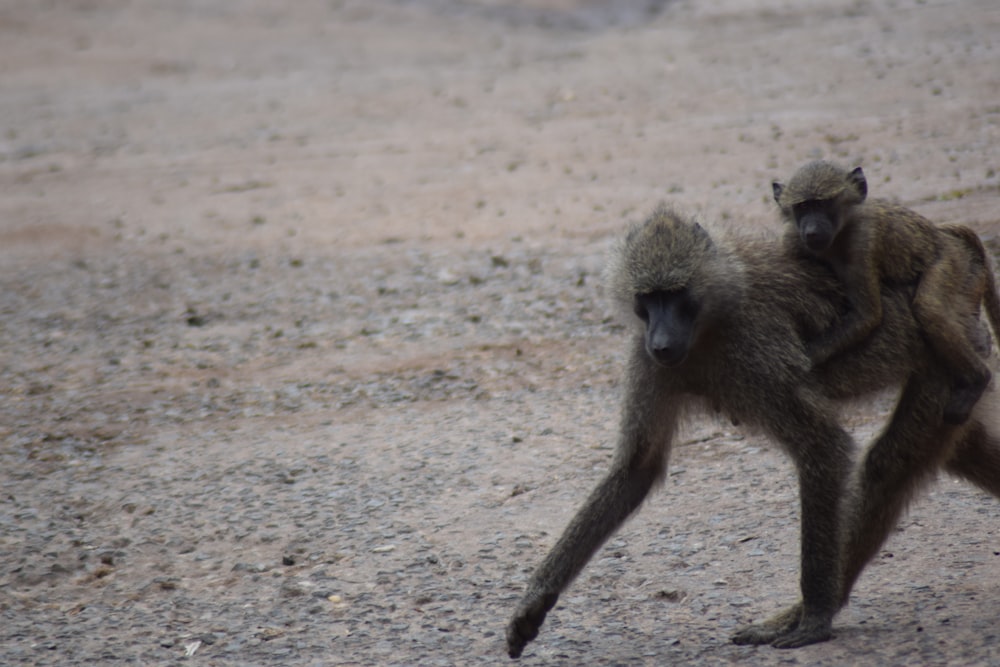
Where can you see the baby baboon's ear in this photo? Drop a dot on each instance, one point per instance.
(860, 183)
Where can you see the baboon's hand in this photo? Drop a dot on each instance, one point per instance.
(528, 618)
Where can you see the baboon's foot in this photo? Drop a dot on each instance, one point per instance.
(963, 398)
(770, 630)
(809, 632)
(528, 618)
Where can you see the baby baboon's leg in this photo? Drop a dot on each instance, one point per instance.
(936, 306)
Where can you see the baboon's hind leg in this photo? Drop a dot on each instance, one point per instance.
(976, 458)
(914, 445)
(911, 448)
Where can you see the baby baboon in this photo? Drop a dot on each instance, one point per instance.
(721, 326)
(870, 241)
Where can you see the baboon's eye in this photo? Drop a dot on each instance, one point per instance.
(640, 310)
(801, 209)
(689, 308)
(811, 206)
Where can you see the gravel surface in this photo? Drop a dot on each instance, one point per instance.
(304, 354)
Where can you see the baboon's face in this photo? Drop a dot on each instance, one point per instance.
(671, 318)
(817, 223)
(818, 198)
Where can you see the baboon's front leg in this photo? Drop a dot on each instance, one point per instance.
(823, 454)
(648, 421)
(617, 496)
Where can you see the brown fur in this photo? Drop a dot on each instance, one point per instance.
(744, 310)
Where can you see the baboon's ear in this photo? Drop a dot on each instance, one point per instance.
(702, 236)
(860, 182)
(777, 187)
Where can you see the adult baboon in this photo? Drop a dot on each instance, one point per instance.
(721, 326)
(872, 241)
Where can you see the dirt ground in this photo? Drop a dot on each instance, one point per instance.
(304, 354)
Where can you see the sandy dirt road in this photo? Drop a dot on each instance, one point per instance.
(303, 354)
